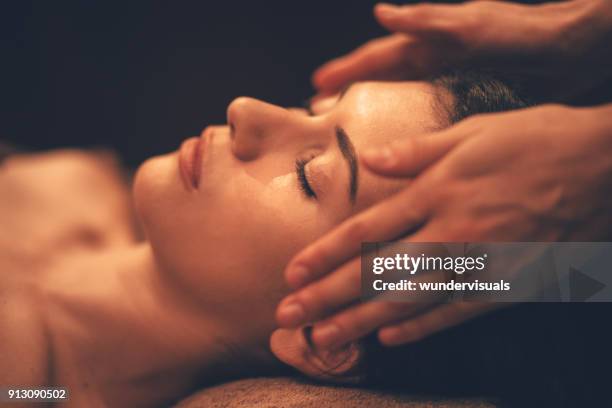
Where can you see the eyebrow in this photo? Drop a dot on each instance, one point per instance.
(348, 152)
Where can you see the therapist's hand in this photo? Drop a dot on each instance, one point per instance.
(538, 174)
(552, 44)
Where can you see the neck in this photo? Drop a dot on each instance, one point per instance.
(124, 332)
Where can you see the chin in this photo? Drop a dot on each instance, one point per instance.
(155, 189)
(166, 211)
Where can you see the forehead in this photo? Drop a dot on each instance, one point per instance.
(375, 113)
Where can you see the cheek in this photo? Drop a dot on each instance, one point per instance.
(230, 240)
(168, 213)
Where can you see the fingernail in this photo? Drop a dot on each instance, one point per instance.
(381, 157)
(326, 334)
(292, 314)
(297, 276)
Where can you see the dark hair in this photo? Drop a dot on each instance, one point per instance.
(473, 92)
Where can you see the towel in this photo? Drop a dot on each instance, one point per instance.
(284, 392)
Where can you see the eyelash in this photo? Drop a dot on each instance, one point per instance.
(300, 164)
(300, 170)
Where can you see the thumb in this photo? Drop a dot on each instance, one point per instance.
(411, 156)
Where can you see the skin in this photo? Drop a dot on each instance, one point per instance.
(142, 323)
(498, 187)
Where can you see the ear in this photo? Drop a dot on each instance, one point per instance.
(293, 347)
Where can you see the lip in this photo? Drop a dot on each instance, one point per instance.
(190, 162)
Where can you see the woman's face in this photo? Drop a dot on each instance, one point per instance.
(270, 182)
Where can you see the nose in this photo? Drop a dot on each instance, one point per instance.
(257, 126)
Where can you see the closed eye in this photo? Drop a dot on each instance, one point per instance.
(300, 171)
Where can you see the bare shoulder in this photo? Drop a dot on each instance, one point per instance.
(24, 344)
(64, 164)
(64, 173)
(63, 197)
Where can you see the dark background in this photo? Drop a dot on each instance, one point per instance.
(141, 76)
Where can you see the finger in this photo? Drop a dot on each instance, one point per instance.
(412, 155)
(410, 53)
(355, 322)
(337, 290)
(375, 59)
(422, 19)
(321, 298)
(383, 222)
(439, 318)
